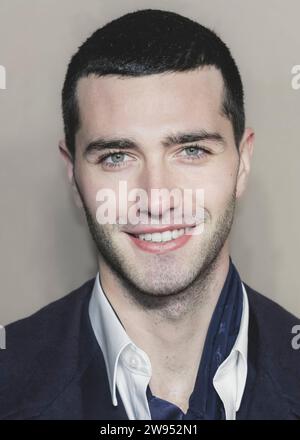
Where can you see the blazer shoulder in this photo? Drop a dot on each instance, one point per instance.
(271, 348)
(43, 345)
(275, 328)
(50, 320)
(268, 310)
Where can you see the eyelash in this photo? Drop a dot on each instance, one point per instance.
(203, 151)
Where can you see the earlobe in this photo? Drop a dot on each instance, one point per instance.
(77, 196)
(246, 151)
(68, 160)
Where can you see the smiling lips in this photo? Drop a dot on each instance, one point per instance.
(160, 240)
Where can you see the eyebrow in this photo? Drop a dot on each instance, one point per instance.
(103, 143)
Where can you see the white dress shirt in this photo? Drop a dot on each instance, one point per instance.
(129, 368)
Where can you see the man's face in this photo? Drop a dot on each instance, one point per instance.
(148, 110)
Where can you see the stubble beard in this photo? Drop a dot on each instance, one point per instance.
(182, 295)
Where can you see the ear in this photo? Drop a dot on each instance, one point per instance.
(245, 151)
(69, 163)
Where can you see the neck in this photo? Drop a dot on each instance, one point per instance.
(173, 334)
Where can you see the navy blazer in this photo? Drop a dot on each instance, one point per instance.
(53, 368)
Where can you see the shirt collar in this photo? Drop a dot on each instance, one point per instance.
(229, 380)
(109, 333)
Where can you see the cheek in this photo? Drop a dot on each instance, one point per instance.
(89, 190)
(218, 192)
(89, 185)
(105, 199)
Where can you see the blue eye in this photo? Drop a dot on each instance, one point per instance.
(195, 152)
(113, 159)
(116, 159)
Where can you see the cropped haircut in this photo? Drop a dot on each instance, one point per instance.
(148, 42)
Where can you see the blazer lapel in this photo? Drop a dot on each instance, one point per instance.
(263, 398)
(95, 393)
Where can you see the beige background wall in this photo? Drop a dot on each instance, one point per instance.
(45, 248)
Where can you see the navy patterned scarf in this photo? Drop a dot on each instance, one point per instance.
(204, 402)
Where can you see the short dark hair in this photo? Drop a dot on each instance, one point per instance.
(149, 42)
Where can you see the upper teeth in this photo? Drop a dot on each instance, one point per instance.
(163, 236)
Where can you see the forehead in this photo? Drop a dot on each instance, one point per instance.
(112, 104)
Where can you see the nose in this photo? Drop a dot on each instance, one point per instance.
(159, 183)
